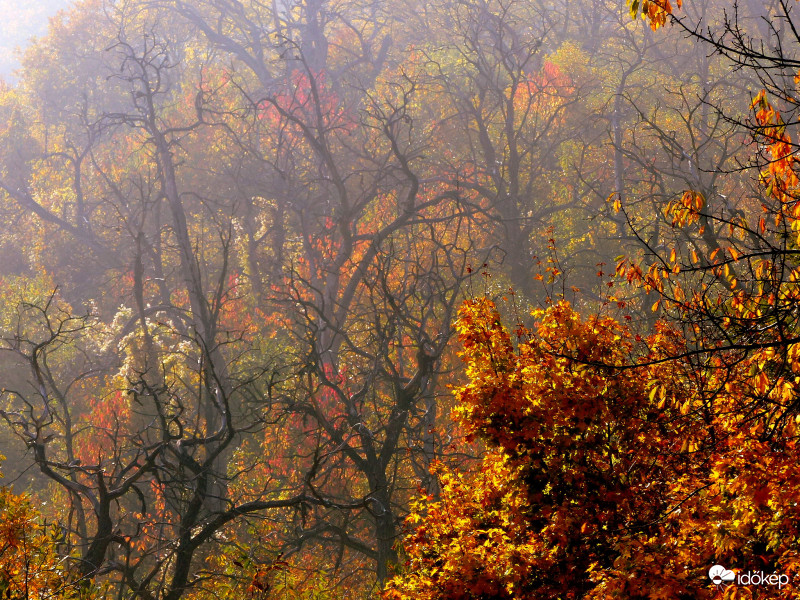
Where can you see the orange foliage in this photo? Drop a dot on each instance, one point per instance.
(606, 476)
(655, 12)
(30, 567)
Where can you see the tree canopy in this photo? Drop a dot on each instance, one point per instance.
(245, 243)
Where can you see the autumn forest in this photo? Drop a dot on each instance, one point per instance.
(441, 300)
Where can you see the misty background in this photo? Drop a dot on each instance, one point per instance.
(20, 21)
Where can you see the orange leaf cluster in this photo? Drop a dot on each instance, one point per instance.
(655, 12)
(606, 476)
(30, 567)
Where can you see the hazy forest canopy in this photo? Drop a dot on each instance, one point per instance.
(20, 21)
(353, 298)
